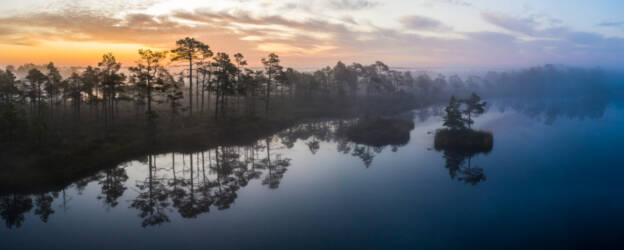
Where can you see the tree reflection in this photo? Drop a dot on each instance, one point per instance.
(549, 110)
(113, 186)
(190, 184)
(461, 169)
(206, 179)
(333, 132)
(364, 153)
(44, 206)
(185, 193)
(13, 207)
(276, 169)
(152, 199)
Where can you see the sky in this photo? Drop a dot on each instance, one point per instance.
(316, 33)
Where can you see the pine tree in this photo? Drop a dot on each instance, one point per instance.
(149, 72)
(453, 118)
(473, 106)
(273, 70)
(187, 50)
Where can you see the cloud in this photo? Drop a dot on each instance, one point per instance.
(611, 24)
(457, 2)
(529, 26)
(312, 41)
(109, 6)
(492, 37)
(415, 22)
(525, 26)
(431, 3)
(89, 26)
(352, 4)
(6, 31)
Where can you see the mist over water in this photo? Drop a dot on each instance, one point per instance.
(550, 173)
(323, 124)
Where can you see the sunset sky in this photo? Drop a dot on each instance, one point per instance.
(314, 33)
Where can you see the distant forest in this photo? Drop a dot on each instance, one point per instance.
(190, 86)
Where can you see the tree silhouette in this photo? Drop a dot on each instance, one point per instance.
(90, 78)
(150, 73)
(453, 118)
(74, 90)
(8, 88)
(112, 83)
(52, 86)
(204, 67)
(35, 79)
(173, 92)
(225, 73)
(473, 106)
(188, 49)
(273, 70)
(241, 80)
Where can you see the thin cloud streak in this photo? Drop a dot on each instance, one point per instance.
(415, 22)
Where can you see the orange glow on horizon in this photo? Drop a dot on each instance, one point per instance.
(67, 53)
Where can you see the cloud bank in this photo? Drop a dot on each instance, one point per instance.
(314, 39)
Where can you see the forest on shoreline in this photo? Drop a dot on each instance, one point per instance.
(109, 111)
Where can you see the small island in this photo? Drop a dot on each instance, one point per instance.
(458, 134)
(459, 142)
(468, 140)
(380, 131)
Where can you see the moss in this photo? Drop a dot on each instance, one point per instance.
(380, 131)
(466, 140)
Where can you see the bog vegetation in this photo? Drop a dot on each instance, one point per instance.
(459, 134)
(460, 143)
(192, 95)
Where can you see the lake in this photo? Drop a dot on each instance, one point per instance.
(552, 180)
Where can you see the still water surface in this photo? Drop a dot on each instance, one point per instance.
(552, 180)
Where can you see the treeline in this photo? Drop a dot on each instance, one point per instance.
(544, 81)
(192, 85)
(210, 87)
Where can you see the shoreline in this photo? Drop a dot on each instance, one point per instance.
(110, 151)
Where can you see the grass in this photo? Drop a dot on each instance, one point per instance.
(466, 140)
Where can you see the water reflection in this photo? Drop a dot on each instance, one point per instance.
(204, 180)
(44, 206)
(550, 110)
(112, 182)
(460, 167)
(333, 132)
(153, 197)
(192, 183)
(13, 207)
